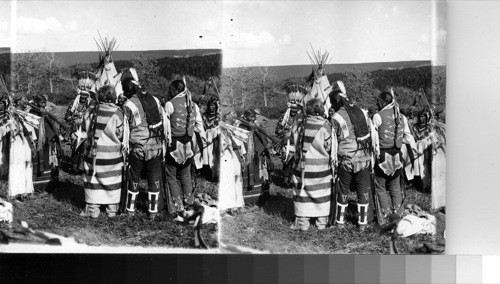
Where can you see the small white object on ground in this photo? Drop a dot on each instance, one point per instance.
(6, 211)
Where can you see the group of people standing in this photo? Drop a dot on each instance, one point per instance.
(30, 143)
(117, 139)
(325, 155)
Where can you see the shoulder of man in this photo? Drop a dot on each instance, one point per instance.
(340, 115)
(131, 102)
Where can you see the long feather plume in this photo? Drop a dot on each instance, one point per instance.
(134, 74)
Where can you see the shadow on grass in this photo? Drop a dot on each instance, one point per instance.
(277, 177)
(69, 192)
(281, 206)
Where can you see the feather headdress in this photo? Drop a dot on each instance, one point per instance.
(295, 93)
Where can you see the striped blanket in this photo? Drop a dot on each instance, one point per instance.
(312, 176)
(103, 159)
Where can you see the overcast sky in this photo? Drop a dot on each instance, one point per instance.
(137, 25)
(251, 33)
(279, 33)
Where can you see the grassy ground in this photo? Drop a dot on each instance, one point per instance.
(268, 227)
(59, 212)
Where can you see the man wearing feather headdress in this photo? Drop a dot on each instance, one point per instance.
(393, 132)
(74, 117)
(293, 115)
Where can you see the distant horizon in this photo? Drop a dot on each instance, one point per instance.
(340, 63)
(222, 52)
(119, 50)
(218, 50)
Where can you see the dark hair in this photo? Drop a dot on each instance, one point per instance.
(337, 100)
(39, 99)
(106, 94)
(425, 113)
(386, 97)
(175, 88)
(248, 112)
(129, 88)
(315, 107)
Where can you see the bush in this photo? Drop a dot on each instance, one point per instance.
(62, 98)
(272, 112)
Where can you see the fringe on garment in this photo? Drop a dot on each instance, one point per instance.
(250, 149)
(167, 130)
(334, 149)
(93, 143)
(53, 155)
(286, 116)
(41, 135)
(126, 135)
(75, 104)
(230, 143)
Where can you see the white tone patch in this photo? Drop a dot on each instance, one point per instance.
(342, 123)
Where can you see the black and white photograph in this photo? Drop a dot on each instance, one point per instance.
(109, 126)
(333, 126)
(276, 126)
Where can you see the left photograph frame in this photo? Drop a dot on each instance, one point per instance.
(109, 129)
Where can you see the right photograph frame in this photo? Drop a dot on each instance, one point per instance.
(333, 131)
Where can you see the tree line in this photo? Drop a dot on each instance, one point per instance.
(35, 73)
(415, 88)
(246, 87)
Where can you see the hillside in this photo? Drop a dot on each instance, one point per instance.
(71, 58)
(287, 71)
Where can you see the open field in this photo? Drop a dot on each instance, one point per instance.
(59, 211)
(268, 227)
